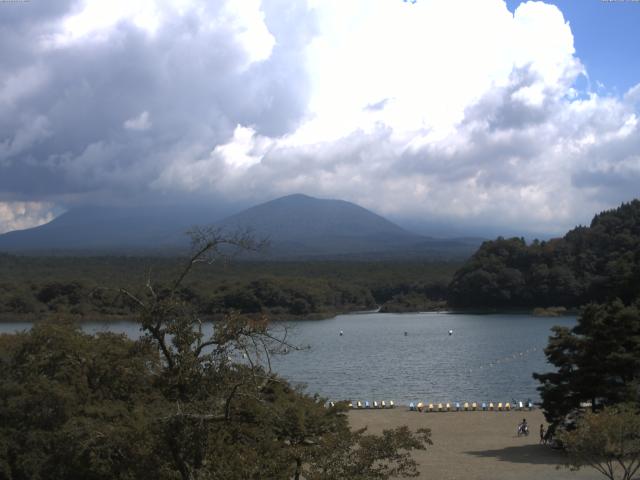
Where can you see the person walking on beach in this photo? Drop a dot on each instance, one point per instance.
(542, 438)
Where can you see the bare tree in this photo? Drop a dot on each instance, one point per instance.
(207, 365)
(231, 416)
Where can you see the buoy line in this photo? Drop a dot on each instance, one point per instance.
(517, 356)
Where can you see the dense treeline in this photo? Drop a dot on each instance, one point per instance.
(589, 264)
(88, 287)
(598, 360)
(594, 263)
(176, 403)
(77, 406)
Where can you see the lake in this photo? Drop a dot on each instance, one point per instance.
(487, 358)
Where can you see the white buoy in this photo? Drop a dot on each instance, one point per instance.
(450, 332)
(341, 333)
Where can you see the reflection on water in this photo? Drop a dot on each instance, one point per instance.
(487, 357)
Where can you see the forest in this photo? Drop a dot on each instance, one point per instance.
(177, 403)
(589, 264)
(33, 288)
(591, 396)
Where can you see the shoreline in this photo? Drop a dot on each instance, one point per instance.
(34, 317)
(475, 445)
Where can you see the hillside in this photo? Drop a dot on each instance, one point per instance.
(298, 227)
(303, 226)
(594, 263)
(110, 229)
(303, 218)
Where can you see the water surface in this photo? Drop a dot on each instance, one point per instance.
(487, 358)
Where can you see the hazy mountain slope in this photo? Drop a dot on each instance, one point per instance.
(302, 217)
(298, 226)
(109, 228)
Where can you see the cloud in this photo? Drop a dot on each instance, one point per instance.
(21, 215)
(141, 122)
(29, 130)
(463, 132)
(429, 109)
(99, 101)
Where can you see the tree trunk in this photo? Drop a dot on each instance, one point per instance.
(298, 469)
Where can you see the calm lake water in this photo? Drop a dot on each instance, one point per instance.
(487, 358)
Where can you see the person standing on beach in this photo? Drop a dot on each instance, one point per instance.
(542, 439)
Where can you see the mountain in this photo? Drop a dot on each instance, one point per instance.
(302, 217)
(302, 226)
(297, 227)
(113, 229)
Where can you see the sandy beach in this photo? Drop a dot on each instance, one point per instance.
(476, 445)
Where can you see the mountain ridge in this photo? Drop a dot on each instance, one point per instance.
(298, 226)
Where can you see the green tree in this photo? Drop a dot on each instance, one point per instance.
(608, 441)
(598, 361)
(266, 424)
(589, 264)
(358, 456)
(75, 406)
(188, 400)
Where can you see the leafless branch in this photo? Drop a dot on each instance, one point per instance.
(131, 296)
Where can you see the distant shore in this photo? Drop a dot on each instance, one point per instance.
(38, 317)
(476, 445)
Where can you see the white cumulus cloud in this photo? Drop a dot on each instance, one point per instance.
(461, 110)
(476, 118)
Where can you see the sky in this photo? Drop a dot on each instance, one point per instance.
(520, 116)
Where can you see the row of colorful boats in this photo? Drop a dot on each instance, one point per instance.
(471, 406)
(375, 404)
(447, 407)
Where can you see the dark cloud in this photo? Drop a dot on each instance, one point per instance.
(192, 81)
(503, 109)
(611, 181)
(610, 170)
(30, 14)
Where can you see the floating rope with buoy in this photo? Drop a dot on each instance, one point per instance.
(511, 358)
